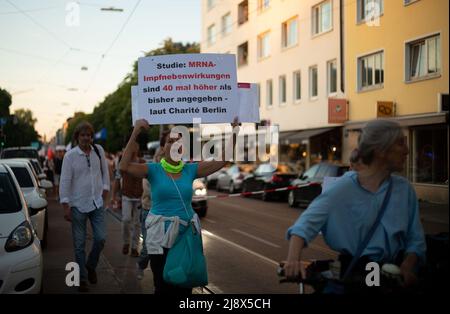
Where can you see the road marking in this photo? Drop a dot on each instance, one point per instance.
(211, 235)
(209, 220)
(311, 246)
(255, 238)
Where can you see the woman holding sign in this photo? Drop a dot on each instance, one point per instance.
(171, 181)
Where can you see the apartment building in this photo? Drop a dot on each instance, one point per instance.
(291, 49)
(396, 66)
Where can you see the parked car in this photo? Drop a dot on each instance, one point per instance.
(232, 178)
(32, 192)
(267, 177)
(199, 201)
(211, 180)
(21, 263)
(20, 152)
(37, 168)
(303, 196)
(41, 178)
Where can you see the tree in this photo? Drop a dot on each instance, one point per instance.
(21, 132)
(5, 102)
(74, 121)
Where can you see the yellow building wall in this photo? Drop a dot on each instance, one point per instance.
(398, 24)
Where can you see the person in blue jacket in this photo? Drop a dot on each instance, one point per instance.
(347, 210)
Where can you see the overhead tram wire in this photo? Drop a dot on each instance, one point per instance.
(110, 46)
(40, 25)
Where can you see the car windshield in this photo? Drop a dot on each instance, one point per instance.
(9, 199)
(35, 166)
(20, 153)
(268, 168)
(23, 177)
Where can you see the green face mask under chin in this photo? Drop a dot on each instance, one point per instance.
(171, 168)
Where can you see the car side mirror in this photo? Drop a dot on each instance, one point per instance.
(42, 176)
(46, 184)
(36, 204)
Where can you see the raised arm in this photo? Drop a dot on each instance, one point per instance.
(138, 170)
(205, 168)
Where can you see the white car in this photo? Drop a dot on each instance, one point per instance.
(41, 178)
(32, 191)
(21, 262)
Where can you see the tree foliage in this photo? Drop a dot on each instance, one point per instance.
(114, 112)
(5, 102)
(20, 131)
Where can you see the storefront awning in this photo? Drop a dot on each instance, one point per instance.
(406, 121)
(301, 135)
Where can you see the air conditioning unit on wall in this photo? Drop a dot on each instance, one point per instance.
(442, 102)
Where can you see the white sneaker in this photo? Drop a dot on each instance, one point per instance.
(139, 272)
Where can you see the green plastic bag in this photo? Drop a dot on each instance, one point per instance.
(186, 264)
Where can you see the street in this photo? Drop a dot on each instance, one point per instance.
(244, 239)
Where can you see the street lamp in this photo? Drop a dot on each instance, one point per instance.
(112, 9)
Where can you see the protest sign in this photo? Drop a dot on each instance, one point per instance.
(175, 89)
(248, 102)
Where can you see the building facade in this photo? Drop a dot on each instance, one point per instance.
(291, 49)
(396, 66)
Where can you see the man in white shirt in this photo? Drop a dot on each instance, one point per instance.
(84, 186)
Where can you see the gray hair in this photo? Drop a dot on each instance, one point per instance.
(377, 136)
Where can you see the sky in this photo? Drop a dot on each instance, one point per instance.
(58, 57)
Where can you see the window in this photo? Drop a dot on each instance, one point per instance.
(269, 93)
(369, 10)
(263, 5)
(424, 58)
(211, 4)
(8, 194)
(243, 54)
(371, 71)
(311, 172)
(282, 89)
(297, 86)
(408, 2)
(430, 157)
(289, 33)
(264, 45)
(332, 77)
(243, 12)
(322, 18)
(226, 24)
(23, 177)
(313, 83)
(211, 34)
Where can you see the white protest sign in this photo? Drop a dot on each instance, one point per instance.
(175, 89)
(248, 102)
(134, 104)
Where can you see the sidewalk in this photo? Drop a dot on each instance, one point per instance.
(59, 252)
